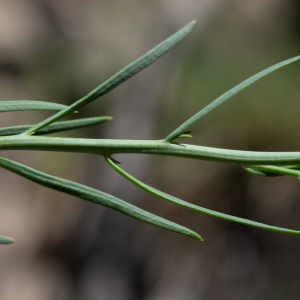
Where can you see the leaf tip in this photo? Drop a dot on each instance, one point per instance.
(199, 238)
(191, 25)
(4, 240)
(196, 236)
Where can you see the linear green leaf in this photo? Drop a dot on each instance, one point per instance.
(92, 195)
(195, 207)
(121, 76)
(22, 105)
(4, 240)
(226, 96)
(56, 127)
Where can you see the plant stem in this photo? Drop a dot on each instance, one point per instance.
(278, 170)
(158, 147)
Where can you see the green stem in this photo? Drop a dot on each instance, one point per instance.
(278, 170)
(109, 147)
(6, 240)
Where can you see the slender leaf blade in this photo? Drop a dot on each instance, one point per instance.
(210, 212)
(23, 105)
(129, 71)
(92, 195)
(226, 96)
(106, 147)
(56, 127)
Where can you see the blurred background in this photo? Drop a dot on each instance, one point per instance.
(59, 50)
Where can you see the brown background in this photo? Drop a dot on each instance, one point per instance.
(58, 50)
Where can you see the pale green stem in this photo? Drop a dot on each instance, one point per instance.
(278, 170)
(109, 147)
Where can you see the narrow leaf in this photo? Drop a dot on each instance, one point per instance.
(121, 76)
(92, 195)
(175, 200)
(22, 105)
(226, 96)
(56, 127)
(4, 240)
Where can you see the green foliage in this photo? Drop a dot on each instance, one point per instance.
(55, 127)
(92, 195)
(26, 137)
(21, 105)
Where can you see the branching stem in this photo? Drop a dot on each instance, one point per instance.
(158, 147)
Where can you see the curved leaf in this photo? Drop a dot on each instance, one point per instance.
(175, 200)
(107, 147)
(22, 105)
(132, 69)
(56, 127)
(293, 167)
(226, 96)
(92, 195)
